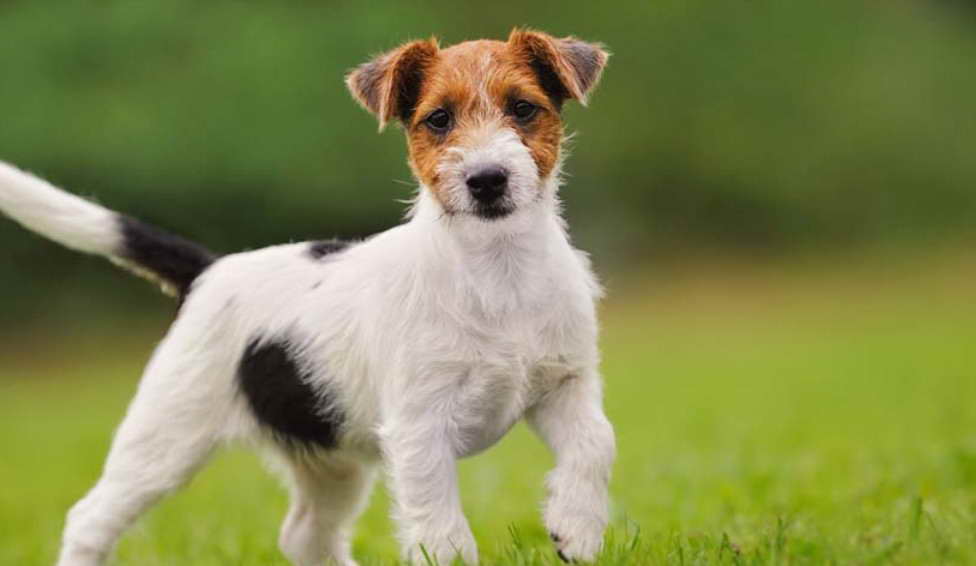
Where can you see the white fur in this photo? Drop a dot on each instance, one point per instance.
(435, 337)
(65, 218)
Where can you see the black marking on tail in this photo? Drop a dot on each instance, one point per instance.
(322, 248)
(172, 259)
(279, 393)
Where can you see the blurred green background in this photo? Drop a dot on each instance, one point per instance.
(760, 126)
(780, 196)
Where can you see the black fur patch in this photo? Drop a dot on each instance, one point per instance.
(171, 258)
(409, 92)
(322, 248)
(550, 82)
(278, 390)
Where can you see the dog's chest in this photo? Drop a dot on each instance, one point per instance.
(490, 398)
(503, 375)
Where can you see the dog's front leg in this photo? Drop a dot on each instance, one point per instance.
(420, 454)
(571, 421)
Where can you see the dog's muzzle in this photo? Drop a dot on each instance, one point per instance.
(488, 187)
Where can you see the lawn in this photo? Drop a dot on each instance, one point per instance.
(790, 411)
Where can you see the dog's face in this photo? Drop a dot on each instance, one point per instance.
(482, 118)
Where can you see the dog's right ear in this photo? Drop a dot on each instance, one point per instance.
(389, 85)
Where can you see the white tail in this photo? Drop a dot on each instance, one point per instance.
(81, 225)
(65, 218)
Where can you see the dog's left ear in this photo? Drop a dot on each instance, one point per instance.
(566, 67)
(389, 85)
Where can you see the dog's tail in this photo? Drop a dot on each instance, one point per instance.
(163, 258)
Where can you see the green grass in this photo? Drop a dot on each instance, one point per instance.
(800, 412)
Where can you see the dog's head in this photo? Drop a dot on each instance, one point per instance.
(482, 118)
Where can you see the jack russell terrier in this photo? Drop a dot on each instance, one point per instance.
(408, 350)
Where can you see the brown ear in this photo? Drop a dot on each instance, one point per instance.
(389, 85)
(566, 67)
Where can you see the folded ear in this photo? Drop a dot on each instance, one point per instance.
(566, 67)
(389, 85)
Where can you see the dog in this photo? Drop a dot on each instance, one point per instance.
(403, 352)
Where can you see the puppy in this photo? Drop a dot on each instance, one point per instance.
(408, 350)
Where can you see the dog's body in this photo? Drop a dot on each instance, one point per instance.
(413, 348)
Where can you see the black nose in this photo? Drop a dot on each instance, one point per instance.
(488, 184)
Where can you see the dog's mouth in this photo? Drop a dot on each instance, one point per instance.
(493, 211)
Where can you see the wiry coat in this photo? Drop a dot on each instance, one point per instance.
(413, 348)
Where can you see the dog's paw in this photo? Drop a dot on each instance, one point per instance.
(576, 531)
(444, 550)
(577, 548)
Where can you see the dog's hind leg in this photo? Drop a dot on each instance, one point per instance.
(177, 417)
(328, 493)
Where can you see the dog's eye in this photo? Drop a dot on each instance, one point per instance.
(438, 120)
(524, 110)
